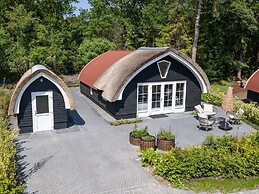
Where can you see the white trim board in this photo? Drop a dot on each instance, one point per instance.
(19, 97)
(174, 56)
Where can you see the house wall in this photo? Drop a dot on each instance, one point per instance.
(253, 96)
(25, 122)
(127, 107)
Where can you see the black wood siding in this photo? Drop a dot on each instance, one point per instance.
(127, 107)
(25, 114)
(253, 96)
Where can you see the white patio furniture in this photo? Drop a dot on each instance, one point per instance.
(208, 109)
(205, 122)
(235, 118)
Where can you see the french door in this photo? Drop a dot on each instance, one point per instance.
(160, 98)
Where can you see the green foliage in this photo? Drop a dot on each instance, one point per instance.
(251, 111)
(213, 185)
(165, 135)
(148, 138)
(125, 121)
(8, 167)
(149, 157)
(214, 97)
(139, 132)
(91, 48)
(224, 157)
(4, 103)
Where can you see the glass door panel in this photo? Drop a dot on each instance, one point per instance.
(143, 98)
(168, 96)
(156, 97)
(179, 95)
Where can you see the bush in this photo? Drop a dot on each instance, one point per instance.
(4, 103)
(251, 111)
(165, 135)
(222, 157)
(138, 132)
(125, 121)
(8, 168)
(215, 97)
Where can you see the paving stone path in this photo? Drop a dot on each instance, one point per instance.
(91, 157)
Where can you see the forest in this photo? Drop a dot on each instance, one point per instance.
(221, 35)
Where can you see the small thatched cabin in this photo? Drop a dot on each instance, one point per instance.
(252, 86)
(148, 81)
(40, 101)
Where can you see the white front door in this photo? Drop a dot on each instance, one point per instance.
(160, 98)
(42, 111)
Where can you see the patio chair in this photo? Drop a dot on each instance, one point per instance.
(208, 109)
(205, 122)
(198, 109)
(235, 119)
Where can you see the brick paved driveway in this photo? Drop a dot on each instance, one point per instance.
(95, 157)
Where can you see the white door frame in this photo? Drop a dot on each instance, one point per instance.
(34, 112)
(162, 110)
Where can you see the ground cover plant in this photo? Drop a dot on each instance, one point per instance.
(125, 121)
(8, 167)
(224, 157)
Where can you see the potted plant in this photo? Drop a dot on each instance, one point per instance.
(165, 140)
(147, 141)
(136, 134)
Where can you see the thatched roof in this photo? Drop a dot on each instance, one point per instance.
(29, 75)
(117, 75)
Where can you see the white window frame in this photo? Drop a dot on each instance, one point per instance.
(162, 109)
(167, 69)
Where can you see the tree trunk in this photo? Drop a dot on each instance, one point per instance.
(239, 75)
(196, 33)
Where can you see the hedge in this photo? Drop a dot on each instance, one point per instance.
(8, 167)
(222, 157)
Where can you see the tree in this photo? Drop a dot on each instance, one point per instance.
(196, 33)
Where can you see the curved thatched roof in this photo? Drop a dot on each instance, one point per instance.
(113, 81)
(28, 76)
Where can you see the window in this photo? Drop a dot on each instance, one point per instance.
(143, 98)
(163, 67)
(42, 104)
(179, 94)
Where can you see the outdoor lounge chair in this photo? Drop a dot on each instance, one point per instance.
(208, 109)
(235, 119)
(205, 122)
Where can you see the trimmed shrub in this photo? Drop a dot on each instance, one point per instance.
(222, 157)
(8, 167)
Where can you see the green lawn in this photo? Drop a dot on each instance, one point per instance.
(224, 186)
(221, 86)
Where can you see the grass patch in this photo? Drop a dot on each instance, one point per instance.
(224, 185)
(73, 84)
(255, 126)
(125, 121)
(221, 86)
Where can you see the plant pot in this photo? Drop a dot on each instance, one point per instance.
(134, 140)
(165, 145)
(144, 144)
